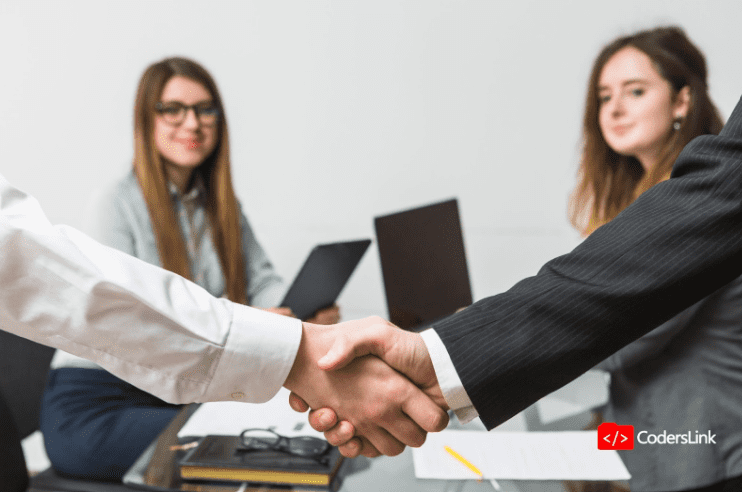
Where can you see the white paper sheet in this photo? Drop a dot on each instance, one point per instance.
(587, 391)
(518, 456)
(231, 418)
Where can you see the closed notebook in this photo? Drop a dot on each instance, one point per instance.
(227, 486)
(219, 458)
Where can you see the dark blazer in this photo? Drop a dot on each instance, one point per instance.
(679, 242)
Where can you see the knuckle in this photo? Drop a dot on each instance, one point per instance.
(346, 452)
(353, 447)
(439, 421)
(333, 439)
(417, 439)
(397, 390)
(375, 412)
(394, 449)
(411, 434)
(345, 431)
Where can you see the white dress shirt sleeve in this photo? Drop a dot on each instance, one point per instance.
(453, 390)
(150, 327)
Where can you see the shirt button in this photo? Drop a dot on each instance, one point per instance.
(238, 395)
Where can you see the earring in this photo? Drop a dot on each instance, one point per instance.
(677, 123)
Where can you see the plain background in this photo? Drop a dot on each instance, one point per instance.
(343, 110)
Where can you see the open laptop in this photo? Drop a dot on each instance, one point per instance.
(423, 264)
(324, 274)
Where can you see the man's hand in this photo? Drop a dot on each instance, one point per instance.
(402, 350)
(380, 405)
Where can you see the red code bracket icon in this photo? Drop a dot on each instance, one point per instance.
(614, 436)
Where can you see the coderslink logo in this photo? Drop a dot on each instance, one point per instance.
(614, 436)
(621, 437)
(645, 437)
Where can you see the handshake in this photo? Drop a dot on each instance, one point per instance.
(354, 375)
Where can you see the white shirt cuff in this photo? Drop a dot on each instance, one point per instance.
(448, 379)
(258, 355)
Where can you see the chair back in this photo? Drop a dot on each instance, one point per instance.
(13, 473)
(23, 368)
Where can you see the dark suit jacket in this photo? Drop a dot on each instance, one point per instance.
(678, 243)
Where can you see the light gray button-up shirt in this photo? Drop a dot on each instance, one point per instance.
(121, 220)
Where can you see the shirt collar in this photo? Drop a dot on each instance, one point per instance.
(198, 190)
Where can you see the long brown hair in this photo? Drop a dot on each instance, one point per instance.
(221, 203)
(608, 182)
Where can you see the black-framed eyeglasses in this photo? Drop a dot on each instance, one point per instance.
(174, 113)
(304, 446)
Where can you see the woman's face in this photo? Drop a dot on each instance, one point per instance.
(185, 144)
(637, 106)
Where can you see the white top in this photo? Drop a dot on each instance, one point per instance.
(62, 289)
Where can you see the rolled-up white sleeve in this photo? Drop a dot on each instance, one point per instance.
(257, 358)
(453, 390)
(150, 327)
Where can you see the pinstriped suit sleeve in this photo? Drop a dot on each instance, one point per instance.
(676, 244)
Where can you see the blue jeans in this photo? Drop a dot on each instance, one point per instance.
(96, 425)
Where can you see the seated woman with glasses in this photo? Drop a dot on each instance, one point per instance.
(176, 209)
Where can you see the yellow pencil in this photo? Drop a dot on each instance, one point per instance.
(464, 461)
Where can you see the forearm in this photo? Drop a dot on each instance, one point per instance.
(676, 244)
(153, 328)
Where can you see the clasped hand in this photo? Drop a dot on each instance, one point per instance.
(353, 375)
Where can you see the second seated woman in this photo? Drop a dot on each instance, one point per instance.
(647, 98)
(176, 209)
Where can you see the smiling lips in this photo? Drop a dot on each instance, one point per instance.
(189, 143)
(620, 130)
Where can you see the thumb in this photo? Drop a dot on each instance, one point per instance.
(347, 347)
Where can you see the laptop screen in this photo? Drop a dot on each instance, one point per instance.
(423, 263)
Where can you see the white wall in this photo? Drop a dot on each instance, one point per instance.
(343, 110)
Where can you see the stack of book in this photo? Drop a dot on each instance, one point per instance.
(218, 464)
